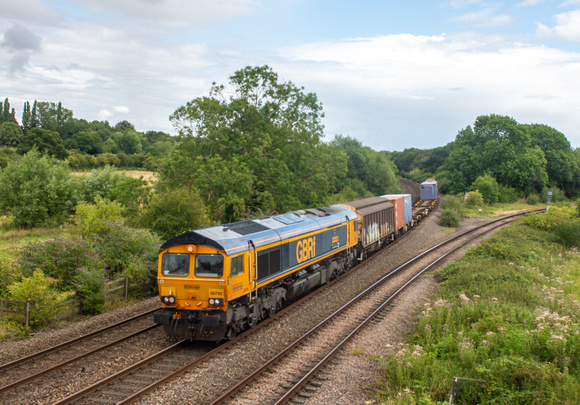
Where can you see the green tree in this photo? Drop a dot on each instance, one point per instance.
(266, 134)
(6, 113)
(37, 191)
(174, 211)
(45, 141)
(500, 147)
(368, 171)
(10, 134)
(54, 117)
(87, 142)
(488, 187)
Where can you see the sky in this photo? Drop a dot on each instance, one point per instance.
(392, 74)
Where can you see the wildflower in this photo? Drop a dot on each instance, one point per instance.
(490, 333)
(464, 298)
(428, 328)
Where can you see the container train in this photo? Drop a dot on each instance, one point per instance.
(216, 282)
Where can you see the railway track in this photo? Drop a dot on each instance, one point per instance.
(140, 379)
(290, 372)
(20, 373)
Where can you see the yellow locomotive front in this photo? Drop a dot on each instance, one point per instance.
(192, 288)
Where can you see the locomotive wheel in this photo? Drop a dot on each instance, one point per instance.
(231, 333)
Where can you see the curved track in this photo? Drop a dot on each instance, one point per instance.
(305, 357)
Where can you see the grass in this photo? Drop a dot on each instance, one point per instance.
(506, 320)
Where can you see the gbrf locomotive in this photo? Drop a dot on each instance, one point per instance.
(219, 281)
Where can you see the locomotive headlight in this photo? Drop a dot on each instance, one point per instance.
(218, 302)
(168, 299)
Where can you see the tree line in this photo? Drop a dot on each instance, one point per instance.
(521, 159)
(251, 148)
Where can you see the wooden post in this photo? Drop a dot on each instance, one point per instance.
(27, 313)
(126, 288)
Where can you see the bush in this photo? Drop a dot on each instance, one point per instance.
(37, 191)
(57, 257)
(122, 246)
(507, 195)
(99, 184)
(172, 212)
(488, 187)
(568, 233)
(450, 217)
(142, 273)
(533, 199)
(91, 290)
(97, 218)
(42, 291)
(474, 199)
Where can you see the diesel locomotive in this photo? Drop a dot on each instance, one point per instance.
(216, 282)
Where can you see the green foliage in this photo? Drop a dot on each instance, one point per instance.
(254, 147)
(548, 221)
(171, 212)
(91, 290)
(10, 134)
(42, 291)
(533, 199)
(7, 156)
(500, 147)
(133, 194)
(97, 218)
(506, 317)
(47, 142)
(37, 191)
(57, 257)
(99, 184)
(507, 195)
(488, 188)
(453, 211)
(474, 199)
(374, 171)
(568, 233)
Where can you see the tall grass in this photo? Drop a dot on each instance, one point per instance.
(507, 318)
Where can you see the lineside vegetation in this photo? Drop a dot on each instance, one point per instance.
(506, 322)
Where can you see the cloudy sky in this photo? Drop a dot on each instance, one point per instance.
(393, 74)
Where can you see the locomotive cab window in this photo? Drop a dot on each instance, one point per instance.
(175, 264)
(237, 265)
(209, 266)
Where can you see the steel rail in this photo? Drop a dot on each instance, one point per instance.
(33, 356)
(74, 359)
(284, 352)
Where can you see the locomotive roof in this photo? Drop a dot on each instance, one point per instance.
(238, 236)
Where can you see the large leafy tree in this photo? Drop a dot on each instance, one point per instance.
(254, 147)
(368, 171)
(561, 166)
(500, 147)
(45, 141)
(10, 134)
(37, 191)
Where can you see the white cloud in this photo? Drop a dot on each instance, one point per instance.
(404, 81)
(29, 11)
(122, 109)
(567, 27)
(530, 3)
(175, 12)
(485, 18)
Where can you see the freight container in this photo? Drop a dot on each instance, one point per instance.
(429, 190)
(408, 207)
(376, 218)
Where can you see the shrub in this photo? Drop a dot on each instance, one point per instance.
(57, 257)
(122, 245)
(507, 194)
(172, 212)
(533, 199)
(42, 291)
(488, 187)
(474, 199)
(99, 184)
(97, 218)
(91, 290)
(450, 217)
(568, 233)
(142, 273)
(37, 191)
